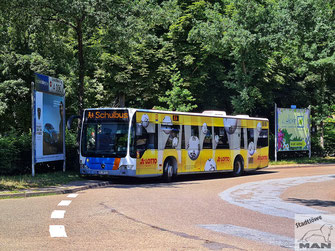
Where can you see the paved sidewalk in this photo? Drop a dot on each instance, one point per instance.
(71, 187)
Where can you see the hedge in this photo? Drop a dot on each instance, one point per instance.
(15, 152)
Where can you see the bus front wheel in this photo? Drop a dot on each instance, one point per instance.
(238, 166)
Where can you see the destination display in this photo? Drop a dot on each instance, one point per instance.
(106, 115)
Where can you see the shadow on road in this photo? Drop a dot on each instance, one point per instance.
(129, 182)
(312, 202)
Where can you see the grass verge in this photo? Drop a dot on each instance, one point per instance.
(21, 182)
(313, 160)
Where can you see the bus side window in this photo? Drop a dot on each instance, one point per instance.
(183, 138)
(172, 141)
(208, 139)
(153, 138)
(195, 131)
(263, 139)
(221, 138)
(242, 138)
(250, 132)
(145, 140)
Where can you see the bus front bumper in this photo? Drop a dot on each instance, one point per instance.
(120, 172)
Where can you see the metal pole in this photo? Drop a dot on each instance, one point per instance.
(64, 131)
(309, 129)
(33, 129)
(276, 132)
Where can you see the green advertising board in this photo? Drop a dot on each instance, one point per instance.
(293, 129)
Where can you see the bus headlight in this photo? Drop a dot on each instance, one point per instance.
(126, 167)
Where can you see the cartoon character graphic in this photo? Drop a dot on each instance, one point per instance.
(145, 120)
(233, 135)
(175, 142)
(204, 128)
(210, 165)
(257, 132)
(167, 124)
(251, 148)
(216, 141)
(193, 147)
(230, 125)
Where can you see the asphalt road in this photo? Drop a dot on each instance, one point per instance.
(217, 212)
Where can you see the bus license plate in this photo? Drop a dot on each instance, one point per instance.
(102, 172)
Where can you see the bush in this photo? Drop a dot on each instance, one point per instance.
(71, 145)
(271, 146)
(317, 150)
(329, 139)
(15, 152)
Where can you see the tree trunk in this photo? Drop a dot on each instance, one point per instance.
(244, 68)
(322, 142)
(122, 100)
(81, 67)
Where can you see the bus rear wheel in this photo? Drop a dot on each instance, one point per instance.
(238, 167)
(168, 171)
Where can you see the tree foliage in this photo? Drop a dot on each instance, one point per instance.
(234, 55)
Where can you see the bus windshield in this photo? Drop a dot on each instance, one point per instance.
(105, 138)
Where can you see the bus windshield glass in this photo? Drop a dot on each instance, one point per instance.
(105, 134)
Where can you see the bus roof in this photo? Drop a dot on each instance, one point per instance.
(218, 114)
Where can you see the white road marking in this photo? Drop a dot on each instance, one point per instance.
(57, 231)
(57, 214)
(73, 195)
(264, 196)
(252, 234)
(65, 203)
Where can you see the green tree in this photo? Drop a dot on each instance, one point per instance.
(137, 55)
(179, 98)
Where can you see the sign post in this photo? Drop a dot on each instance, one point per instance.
(32, 129)
(276, 149)
(48, 120)
(309, 131)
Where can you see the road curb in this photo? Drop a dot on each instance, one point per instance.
(57, 190)
(299, 165)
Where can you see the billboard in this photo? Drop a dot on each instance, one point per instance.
(48, 119)
(293, 129)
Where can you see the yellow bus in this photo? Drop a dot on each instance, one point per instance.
(148, 143)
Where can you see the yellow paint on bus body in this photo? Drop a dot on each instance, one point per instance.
(152, 161)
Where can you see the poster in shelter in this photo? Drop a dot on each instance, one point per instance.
(49, 119)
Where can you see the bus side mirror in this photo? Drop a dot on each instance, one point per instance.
(69, 121)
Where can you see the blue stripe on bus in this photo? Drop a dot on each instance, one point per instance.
(95, 163)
